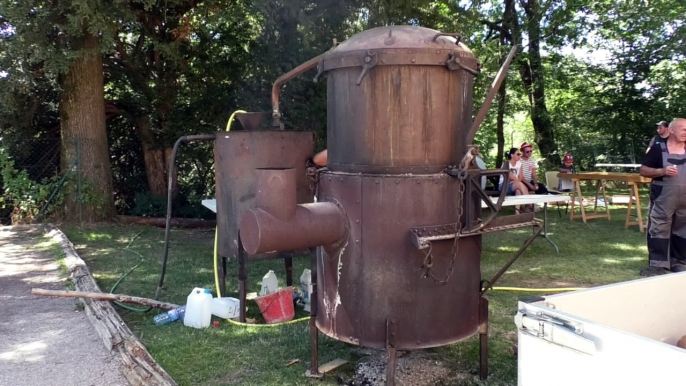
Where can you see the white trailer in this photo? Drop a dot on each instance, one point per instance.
(618, 334)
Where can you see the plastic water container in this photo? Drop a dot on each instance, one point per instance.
(198, 308)
(225, 308)
(306, 287)
(170, 316)
(270, 283)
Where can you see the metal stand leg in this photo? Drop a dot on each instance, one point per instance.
(391, 329)
(288, 260)
(544, 234)
(313, 372)
(483, 338)
(222, 275)
(242, 280)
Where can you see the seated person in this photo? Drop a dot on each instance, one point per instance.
(529, 166)
(515, 184)
(567, 167)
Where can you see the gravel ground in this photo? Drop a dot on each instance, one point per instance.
(415, 368)
(43, 340)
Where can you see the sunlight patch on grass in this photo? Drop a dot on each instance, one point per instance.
(612, 261)
(92, 236)
(627, 247)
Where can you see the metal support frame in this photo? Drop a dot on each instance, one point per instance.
(391, 331)
(313, 371)
(483, 338)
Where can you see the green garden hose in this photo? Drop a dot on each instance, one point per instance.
(120, 304)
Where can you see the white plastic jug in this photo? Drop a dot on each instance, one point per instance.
(198, 308)
(226, 308)
(306, 287)
(270, 283)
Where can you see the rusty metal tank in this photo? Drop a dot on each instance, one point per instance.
(399, 110)
(399, 100)
(397, 220)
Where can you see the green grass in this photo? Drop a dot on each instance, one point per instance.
(595, 253)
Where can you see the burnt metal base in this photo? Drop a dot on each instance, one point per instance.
(391, 330)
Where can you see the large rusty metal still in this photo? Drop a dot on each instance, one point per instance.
(398, 264)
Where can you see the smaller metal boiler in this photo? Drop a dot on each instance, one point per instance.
(397, 223)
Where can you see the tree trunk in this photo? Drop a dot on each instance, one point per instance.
(155, 170)
(532, 75)
(84, 137)
(156, 160)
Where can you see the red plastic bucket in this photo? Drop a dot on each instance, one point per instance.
(277, 307)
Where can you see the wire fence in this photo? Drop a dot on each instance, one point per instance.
(35, 178)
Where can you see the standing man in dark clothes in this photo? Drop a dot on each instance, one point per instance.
(665, 163)
(661, 136)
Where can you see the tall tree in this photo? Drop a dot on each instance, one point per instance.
(61, 41)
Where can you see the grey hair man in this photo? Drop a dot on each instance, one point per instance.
(665, 163)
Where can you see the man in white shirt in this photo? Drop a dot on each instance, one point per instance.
(529, 166)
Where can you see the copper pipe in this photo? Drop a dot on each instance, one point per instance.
(276, 89)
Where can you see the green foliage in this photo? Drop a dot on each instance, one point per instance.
(25, 195)
(149, 205)
(610, 70)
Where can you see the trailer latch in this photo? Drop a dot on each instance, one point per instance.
(555, 330)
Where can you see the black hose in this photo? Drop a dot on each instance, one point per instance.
(172, 161)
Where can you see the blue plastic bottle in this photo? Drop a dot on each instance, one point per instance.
(170, 316)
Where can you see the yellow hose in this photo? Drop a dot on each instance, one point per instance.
(268, 325)
(216, 231)
(536, 289)
(228, 124)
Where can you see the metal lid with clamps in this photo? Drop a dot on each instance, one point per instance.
(400, 45)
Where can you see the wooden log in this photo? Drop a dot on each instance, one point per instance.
(162, 222)
(138, 366)
(103, 296)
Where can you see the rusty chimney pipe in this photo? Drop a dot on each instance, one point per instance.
(276, 192)
(278, 224)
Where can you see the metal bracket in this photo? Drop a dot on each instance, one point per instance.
(370, 61)
(564, 333)
(454, 63)
(421, 237)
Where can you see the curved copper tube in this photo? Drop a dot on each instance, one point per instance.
(276, 89)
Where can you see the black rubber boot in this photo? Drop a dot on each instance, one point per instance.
(654, 271)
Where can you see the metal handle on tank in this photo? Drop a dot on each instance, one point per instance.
(457, 36)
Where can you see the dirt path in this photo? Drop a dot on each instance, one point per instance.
(44, 341)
